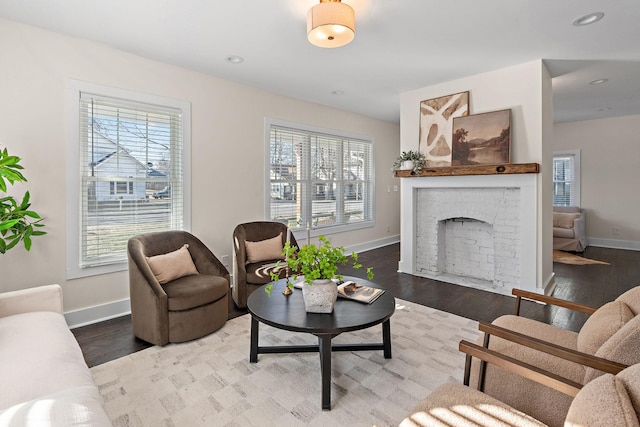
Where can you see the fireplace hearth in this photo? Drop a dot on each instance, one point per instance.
(477, 231)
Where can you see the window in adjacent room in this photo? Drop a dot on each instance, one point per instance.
(566, 178)
(128, 153)
(318, 178)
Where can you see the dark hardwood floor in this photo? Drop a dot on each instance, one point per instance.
(592, 285)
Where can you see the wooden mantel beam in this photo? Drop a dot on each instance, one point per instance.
(502, 169)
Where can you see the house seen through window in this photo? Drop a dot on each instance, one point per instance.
(130, 152)
(318, 178)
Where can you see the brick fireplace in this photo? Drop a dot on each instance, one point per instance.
(477, 230)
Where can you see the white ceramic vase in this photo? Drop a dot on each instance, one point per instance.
(407, 165)
(320, 296)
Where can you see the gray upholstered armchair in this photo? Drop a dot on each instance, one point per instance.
(179, 289)
(258, 247)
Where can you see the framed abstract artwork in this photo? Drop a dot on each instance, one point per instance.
(481, 139)
(436, 123)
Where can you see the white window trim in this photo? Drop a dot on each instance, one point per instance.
(576, 163)
(268, 122)
(73, 90)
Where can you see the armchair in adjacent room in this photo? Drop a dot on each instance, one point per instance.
(179, 289)
(258, 247)
(569, 229)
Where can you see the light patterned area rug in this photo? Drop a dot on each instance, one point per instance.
(569, 258)
(210, 382)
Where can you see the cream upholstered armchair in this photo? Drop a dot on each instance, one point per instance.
(569, 229)
(258, 247)
(179, 289)
(609, 400)
(608, 342)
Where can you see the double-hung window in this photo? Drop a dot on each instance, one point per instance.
(566, 178)
(128, 154)
(319, 179)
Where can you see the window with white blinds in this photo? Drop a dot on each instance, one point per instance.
(131, 164)
(318, 178)
(566, 178)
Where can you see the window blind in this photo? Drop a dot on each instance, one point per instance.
(319, 180)
(131, 175)
(565, 184)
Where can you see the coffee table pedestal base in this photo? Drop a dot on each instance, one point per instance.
(324, 348)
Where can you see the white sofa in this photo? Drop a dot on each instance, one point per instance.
(44, 378)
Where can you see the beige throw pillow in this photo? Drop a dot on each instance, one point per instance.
(564, 219)
(264, 250)
(622, 347)
(172, 266)
(602, 402)
(601, 325)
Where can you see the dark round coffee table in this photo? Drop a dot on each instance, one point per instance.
(288, 313)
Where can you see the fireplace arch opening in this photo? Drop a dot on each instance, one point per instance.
(466, 248)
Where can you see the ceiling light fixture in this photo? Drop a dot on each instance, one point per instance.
(331, 24)
(598, 82)
(604, 109)
(588, 19)
(234, 59)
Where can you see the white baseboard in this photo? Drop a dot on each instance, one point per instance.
(97, 313)
(550, 284)
(374, 244)
(614, 244)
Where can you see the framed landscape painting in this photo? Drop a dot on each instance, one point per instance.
(481, 139)
(436, 122)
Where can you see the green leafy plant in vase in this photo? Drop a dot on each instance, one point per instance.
(318, 264)
(17, 222)
(410, 160)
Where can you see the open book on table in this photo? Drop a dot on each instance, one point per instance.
(358, 292)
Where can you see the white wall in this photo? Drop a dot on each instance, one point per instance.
(227, 123)
(610, 174)
(526, 90)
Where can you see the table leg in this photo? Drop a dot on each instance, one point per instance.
(253, 352)
(324, 344)
(386, 338)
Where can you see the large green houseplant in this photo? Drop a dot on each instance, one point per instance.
(318, 264)
(17, 222)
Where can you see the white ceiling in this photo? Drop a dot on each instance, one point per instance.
(400, 45)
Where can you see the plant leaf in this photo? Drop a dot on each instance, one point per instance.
(5, 225)
(27, 242)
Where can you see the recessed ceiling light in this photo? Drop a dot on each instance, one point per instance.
(598, 82)
(337, 92)
(588, 19)
(234, 59)
(604, 109)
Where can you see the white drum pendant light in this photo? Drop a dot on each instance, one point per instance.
(331, 24)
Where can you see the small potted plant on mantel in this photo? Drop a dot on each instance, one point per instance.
(319, 265)
(410, 160)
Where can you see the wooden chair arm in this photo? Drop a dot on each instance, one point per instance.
(517, 367)
(552, 349)
(519, 294)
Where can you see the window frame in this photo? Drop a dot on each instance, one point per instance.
(309, 228)
(576, 172)
(74, 88)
